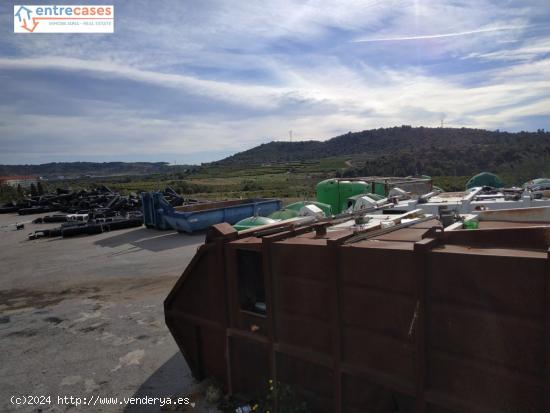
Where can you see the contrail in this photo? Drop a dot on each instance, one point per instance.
(437, 36)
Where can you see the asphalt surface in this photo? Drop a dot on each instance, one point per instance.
(83, 317)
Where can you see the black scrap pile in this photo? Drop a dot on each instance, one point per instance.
(176, 199)
(100, 202)
(81, 212)
(87, 212)
(173, 197)
(92, 226)
(51, 218)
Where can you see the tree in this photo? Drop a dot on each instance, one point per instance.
(34, 191)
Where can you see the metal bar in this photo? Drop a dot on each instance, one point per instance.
(268, 285)
(200, 353)
(420, 325)
(231, 274)
(547, 334)
(337, 322)
(228, 358)
(235, 332)
(230, 271)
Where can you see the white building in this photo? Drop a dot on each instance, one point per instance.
(24, 180)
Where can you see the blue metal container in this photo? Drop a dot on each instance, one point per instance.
(154, 206)
(158, 213)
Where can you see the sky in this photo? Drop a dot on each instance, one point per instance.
(194, 81)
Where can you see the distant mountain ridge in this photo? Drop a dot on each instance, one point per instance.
(70, 169)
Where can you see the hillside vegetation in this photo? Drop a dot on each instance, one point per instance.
(290, 170)
(405, 151)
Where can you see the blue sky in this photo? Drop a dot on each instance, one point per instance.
(193, 81)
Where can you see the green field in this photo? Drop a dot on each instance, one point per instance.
(290, 181)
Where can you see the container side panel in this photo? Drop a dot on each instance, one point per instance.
(486, 331)
(508, 285)
(378, 303)
(213, 352)
(380, 311)
(487, 336)
(383, 269)
(196, 314)
(301, 311)
(203, 292)
(308, 334)
(485, 387)
(249, 367)
(300, 260)
(379, 352)
(302, 298)
(312, 382)
(186, 335)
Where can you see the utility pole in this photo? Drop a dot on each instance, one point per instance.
(290, 135)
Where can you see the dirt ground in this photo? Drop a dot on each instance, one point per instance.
(83, 317)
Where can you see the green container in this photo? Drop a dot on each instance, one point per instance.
(380, 189)
(471, 224)
(360, 187)
(283, 214)
(253, 222)
(328, 193)
(336, 193)
(484, 179)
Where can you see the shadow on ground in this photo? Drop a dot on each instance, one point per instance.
(170, 380)
(151, 240)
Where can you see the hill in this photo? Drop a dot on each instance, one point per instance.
(405, 151)
(397, 151)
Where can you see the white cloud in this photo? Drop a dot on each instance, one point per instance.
(245, 95)
(530, 50)
(287, 65)
(438, 35)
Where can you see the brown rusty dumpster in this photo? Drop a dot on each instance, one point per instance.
(408, 319)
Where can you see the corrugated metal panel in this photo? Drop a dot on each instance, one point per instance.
(415, 320)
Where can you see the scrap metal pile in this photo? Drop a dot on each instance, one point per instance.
(101, 200)
(91, 226)
(81, 212)
(96, 211)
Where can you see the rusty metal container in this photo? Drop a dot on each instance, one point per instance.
(403, 319)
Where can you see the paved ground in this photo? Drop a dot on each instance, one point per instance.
(83, 317)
